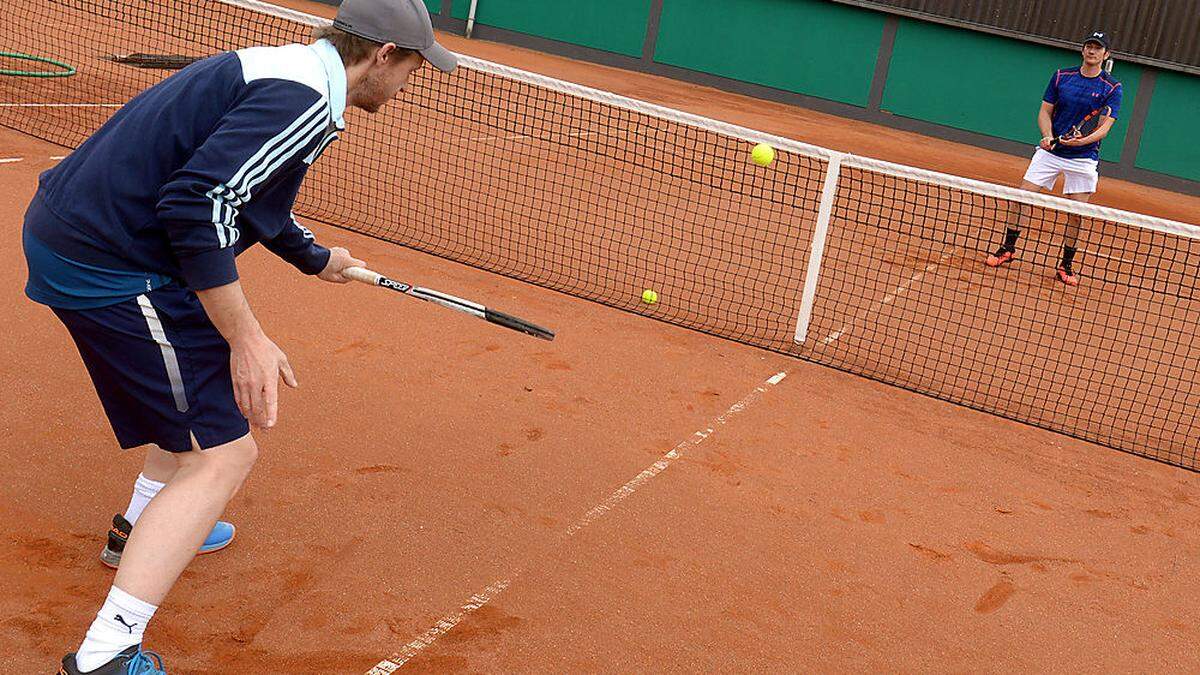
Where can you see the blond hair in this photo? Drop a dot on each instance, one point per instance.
(351, 48)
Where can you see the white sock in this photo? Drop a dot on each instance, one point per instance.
(119, 625)
(144, 490)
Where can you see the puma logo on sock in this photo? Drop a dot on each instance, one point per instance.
(127, 625)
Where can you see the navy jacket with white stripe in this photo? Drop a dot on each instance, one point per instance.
(198, 168)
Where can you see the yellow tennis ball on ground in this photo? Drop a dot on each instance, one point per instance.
(649, 297)
(762, 154)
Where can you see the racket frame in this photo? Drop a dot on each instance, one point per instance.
(370, 277)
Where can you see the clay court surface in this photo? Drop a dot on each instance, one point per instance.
(432, 468)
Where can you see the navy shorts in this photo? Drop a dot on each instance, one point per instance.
(161, 370)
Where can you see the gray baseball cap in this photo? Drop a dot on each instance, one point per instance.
(403, 22)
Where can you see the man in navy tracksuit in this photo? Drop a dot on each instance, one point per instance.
(132, 241)
(1071, 95)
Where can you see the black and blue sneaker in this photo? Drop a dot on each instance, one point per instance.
(132, 661)
(221, 536)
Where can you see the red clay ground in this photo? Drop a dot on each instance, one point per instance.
(833, 524)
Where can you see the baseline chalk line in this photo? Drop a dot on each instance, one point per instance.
(887, 299)
(482, 598)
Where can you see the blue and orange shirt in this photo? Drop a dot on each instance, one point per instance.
(186, 176)
(1074, 97)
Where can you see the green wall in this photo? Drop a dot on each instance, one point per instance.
(959, 78)
(611, 25)
(1168, 145)
(984, 83)
(809, 47)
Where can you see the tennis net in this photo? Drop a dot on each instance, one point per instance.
(867, 266)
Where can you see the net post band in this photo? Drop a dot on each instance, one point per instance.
(813, 274)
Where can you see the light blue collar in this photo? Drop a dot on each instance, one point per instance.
(335, 70)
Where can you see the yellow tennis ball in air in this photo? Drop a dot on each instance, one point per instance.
(762, 154)
(649, 297)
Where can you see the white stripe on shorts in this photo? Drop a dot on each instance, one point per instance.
(168, 352)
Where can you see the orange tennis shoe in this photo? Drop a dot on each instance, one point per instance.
(1001, 256)
(1067, 275)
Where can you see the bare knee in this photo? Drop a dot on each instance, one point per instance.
(236, 457)
(160, 465)
(229, 463)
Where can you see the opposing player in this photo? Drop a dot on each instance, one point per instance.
(132, 241)
(1073, 94)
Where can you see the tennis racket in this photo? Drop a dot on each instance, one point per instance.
(159, 61)
(366, 276)
(1085, 127)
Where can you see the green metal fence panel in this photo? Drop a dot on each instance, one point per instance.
(1167, 145)
(983, 83)
(611, 25)
(805, 46)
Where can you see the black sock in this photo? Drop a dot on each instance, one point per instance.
(1010, 239)
(1068, 255)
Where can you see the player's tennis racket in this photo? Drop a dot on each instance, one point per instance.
(160, 61)
(476, 310)
(1085, 127)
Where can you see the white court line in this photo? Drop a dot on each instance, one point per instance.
(903, 288)
(439, 629)
(887, 299)
(57, 157)
(12, 160)
(406, 653)
(672, 455)
(61, 105)
(1085, 251)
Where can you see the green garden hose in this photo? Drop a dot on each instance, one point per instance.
(67, 69)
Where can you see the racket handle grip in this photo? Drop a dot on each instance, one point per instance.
(362, 274)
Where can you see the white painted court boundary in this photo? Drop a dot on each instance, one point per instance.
(439, 629)
(887, 299)
(408, 651)
(675, 453)
(14, 160)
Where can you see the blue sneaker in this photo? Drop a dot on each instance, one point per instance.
(221, 536)
(132, 661)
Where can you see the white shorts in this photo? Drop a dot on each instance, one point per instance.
(1080, 173)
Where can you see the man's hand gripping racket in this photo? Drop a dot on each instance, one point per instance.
(366, 276)
(1085, 127)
